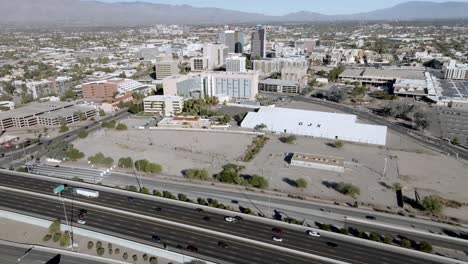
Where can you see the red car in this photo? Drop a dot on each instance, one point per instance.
(277, 230)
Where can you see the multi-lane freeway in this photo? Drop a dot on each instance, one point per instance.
(311, 211)
(207, 244)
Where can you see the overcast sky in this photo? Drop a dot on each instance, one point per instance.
(281, 7)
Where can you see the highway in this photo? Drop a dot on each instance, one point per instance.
(11, 254)
(311, 211)
(415, 136)
(323, 246)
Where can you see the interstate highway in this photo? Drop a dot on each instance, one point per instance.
(347, 252)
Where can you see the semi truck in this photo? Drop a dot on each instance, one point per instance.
(86, 192)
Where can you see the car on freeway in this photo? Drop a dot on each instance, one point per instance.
(81, 221)
(83, 212)
(277, 230)
(277, 239)
(230, 219)
(192, 248)
(238, 218)
(199, 210)
(221, 244)
(234, 201)
(206, 218)
(157, 209)
(331, 244)
(313, 233)
(370, 217)
(155, 238)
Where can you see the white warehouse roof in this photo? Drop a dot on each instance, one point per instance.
(316, 124)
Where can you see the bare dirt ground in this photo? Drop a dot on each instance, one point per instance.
(412, 165)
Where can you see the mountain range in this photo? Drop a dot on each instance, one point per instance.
(20, 13)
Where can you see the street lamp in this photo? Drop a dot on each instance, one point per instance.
(24, 255)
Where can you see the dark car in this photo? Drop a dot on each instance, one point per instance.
(238, 218)
(157, 209)
(331, 244)
(222, 244)
(199, 210)
(370, 217)
(277, 230)
(156, 238)
(206, 218)
(234, 201)
(192, 248)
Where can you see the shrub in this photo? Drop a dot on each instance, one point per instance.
(289, 139)
(63, 129)
(387, 239)
(153, 260)
(100, 251)
(344, 231)
(424, 247)
(182, 197)
(82, 133)
(253, 149)
(110, 251)
(110, 124)
(146, 166)
(301, 183)
(338, 144)
(135, 257)
(246, 210)
(109, 246)
(102, 112)
(54, 227)
(98, 244)
(74, 154)
(46, 238)
(199, 174)
(405, 243)
(348, 189)
(202, 201)
(258, 182)
(145, 257)
(121, 127)
(397, 186)
(145, 190)
(132, 188)
(169, 195)
(432, 204)
(117, 251)
(326, 227)
(99, 158)
(157, 193)
(374, 237)
(56, 237)
(65, 239)
(125, 256)
(126, 163)
(90, 244)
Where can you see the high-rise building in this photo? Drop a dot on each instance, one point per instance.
(199, 64)
(166, 68)
(236, 64)
(258, 46)
(216, 54)
(233, 39)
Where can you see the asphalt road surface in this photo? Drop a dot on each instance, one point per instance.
(322, 213)
(11, 254)
(323, 246)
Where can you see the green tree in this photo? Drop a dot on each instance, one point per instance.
(102, 112)
(301, 183)
(196, 174)
(74, 154)
(65, 239)
(432, 204)
(125, 163)
(68, 94)
(421, 120)
(145, 190)
(122, 75)
(121, 126)
(99, 158)
(338, 144)
(258, 182)
(335, 73)
(54, 227)
(63, 128)
(56, 237)
(405, 243)
(424, 247)
(348, 189)
(82, 133)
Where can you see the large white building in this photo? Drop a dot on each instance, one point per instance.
(235, 85)
(316, 124)
(163, 105)
(166, 68)
(456, 71)
(236, 64)
(216, 55)
(278, 64)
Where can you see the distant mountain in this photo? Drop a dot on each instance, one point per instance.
(93, 13)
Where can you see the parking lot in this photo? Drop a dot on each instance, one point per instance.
(454, 88)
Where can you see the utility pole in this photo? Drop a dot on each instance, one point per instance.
(24, 255)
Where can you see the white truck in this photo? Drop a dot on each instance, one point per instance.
(86, 192)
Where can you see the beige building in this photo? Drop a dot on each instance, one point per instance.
(199, 64)
(166, 69)
(163, 105)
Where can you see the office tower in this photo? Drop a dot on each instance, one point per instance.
(216, 54)
(258, 43)
(233, 39)
(166, 68)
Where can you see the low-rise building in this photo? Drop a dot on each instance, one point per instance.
(163, 105)
(199, 64)
(456, 71)
(379, 78)
(278, 86)
(108, 89)
(317, 162)
(185, 122)
(236, 64)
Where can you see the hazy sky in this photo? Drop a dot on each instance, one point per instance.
(280, 7)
